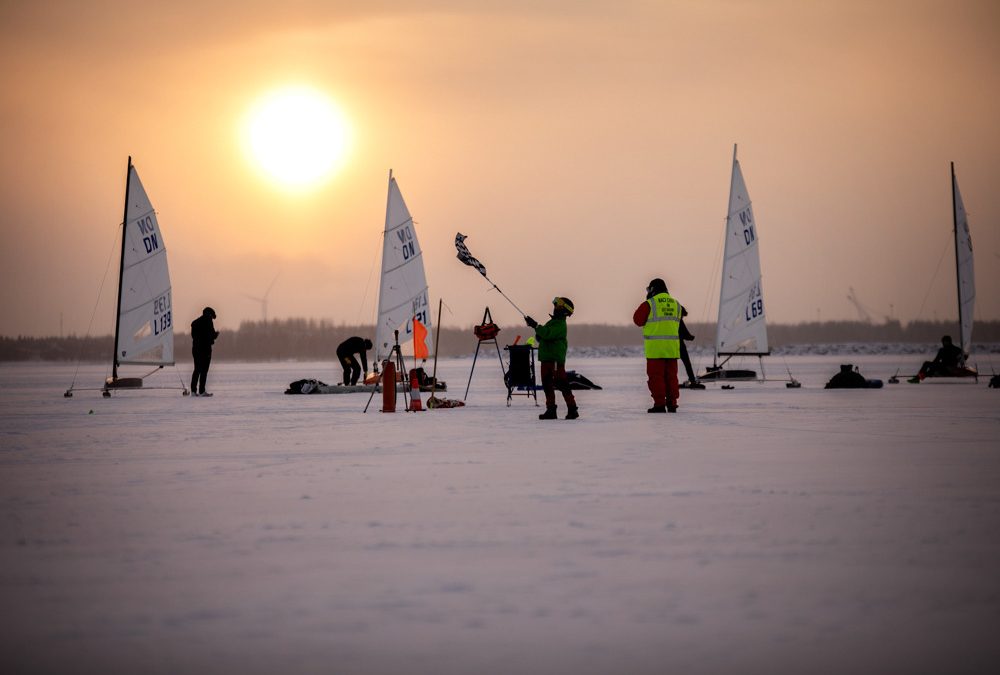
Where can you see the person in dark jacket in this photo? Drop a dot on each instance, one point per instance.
(847, 378)
(346, 351)
(552, 345)
(203, 336)
(948, 358)
(686, 336)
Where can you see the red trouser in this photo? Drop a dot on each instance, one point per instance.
(554, 377)
(663, 386)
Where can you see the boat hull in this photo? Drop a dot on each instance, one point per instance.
(732, 375)
(123, 383)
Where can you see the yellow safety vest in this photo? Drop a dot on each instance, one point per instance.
(660, 334)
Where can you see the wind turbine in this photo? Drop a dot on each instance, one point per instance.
(263, 300)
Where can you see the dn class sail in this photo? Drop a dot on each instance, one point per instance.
(403, 294)
(964, 270)
(144, 330)
(742, 327)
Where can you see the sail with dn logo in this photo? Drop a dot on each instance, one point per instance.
(403, 293)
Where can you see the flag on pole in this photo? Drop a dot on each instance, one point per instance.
(465, 256)
(420, 350)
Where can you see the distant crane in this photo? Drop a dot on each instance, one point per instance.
(263, 300)
(863, 313)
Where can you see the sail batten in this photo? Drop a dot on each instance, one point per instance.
(403, 291)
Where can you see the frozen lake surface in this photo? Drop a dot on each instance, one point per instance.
(760, 530)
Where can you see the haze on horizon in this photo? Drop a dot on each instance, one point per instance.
(583, 147)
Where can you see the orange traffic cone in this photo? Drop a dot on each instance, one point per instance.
(415, 404)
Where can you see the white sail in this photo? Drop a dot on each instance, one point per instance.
(145, 332)
(963, 267)
(403, 287)
(742, 328)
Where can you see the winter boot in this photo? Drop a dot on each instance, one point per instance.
(549, 414)
(914, 380)
(671, 408)
(573, 413)
(657, 409)
(695, 385)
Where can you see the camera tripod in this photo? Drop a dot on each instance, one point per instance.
(400, 368)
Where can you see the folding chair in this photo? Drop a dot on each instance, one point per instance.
(520, 375)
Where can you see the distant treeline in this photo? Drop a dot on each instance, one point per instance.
(309, 339)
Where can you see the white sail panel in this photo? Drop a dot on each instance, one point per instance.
(964, 269)
(742, 328)
(145, 319)
(403, 288)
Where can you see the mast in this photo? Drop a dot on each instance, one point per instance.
(718, 322)
(379, 330)
(121, 270)
(958, 274)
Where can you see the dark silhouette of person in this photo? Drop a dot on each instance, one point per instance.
(203, 335)
(686, 336)
(345, 353)
(848, 378)
(948, 358)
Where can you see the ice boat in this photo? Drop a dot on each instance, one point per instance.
(403, 295)
(741, 329)
(144, 328)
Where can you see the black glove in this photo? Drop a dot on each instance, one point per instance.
(531, 322)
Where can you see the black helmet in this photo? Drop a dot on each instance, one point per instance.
(368, 344)
(564, 305)
(655, 287)
(208, 311)
(946, 339)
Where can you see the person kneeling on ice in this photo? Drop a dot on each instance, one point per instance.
(849, 377)
(345, 354)
(552, 346)
(660, 319)
(948, 358)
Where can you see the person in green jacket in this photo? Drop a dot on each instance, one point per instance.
(552, 356)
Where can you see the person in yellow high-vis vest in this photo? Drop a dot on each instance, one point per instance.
(660, 319)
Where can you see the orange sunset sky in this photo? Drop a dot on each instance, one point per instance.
(583, 147)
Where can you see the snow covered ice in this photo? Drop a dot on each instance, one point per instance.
(761, 530)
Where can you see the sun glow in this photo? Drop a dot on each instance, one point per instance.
(297, 136)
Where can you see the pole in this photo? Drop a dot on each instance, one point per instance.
(437, 341)
(505, 296)
(121, 270)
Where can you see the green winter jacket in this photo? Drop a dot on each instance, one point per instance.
(552, 340)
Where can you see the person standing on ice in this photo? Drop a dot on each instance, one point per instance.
(660, 319)
(686, 336)
(552, 345)
(203, 336)
(345, 353)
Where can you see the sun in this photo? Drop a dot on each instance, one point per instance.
(297, 136)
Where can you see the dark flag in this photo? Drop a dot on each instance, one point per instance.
(465, 256)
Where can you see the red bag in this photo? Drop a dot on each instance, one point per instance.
(486, 331)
